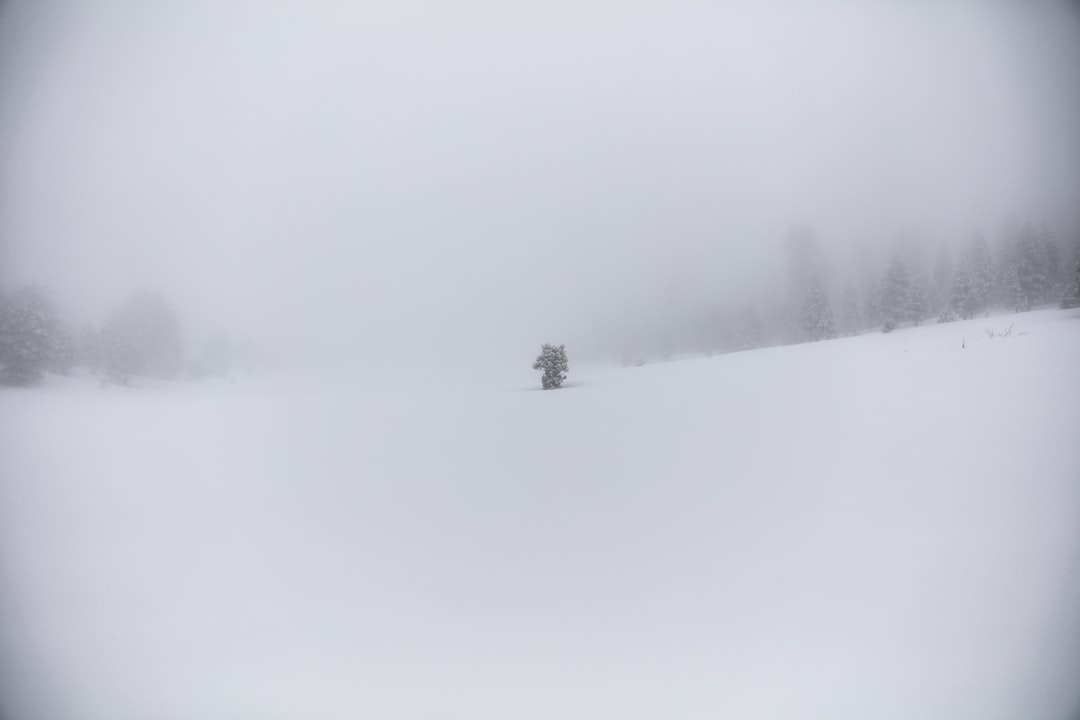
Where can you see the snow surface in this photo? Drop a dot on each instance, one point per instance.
(884, 526)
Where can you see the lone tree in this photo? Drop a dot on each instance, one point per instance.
(552, 360)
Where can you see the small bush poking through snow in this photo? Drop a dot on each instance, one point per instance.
(552, 360)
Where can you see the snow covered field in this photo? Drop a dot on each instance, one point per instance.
(884, 526)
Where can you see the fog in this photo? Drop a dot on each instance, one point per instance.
(366, 197)
(361, 182)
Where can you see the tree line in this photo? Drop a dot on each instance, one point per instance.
(1027, 268)
(142, 337)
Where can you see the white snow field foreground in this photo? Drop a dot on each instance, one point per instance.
(884, 526)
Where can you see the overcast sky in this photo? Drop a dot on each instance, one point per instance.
(340, 176)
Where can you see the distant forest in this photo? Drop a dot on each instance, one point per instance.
(142, 337)
(1027, 268)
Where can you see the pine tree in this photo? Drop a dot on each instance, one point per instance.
(918, 304)
(62, 351)
(1072, 292)
(1014, 290)
(1031, 270)
(1050, 255)
(965, 301)
(552, 360)
(895, 295)
(817, 317)
(28, 327)
(981, 272)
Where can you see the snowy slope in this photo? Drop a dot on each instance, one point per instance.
(882, 526)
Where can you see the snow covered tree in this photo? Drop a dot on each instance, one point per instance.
(981, 273)
(1014, 291)
(804, 263)
(964, 298)
(1052, 262)
(28, 329)
(805, 269)
(1072, 292)
(62, 351)
(918, 304)
(895, 295)
(552, 360)
(1032, 267)
(817, 317)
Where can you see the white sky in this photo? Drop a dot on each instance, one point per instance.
(335, 177)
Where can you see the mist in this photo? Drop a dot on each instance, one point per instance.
(273, 276)
(376, 181)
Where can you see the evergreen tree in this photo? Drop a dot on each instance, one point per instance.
(895, 295)
(965, 301)
(552, 360)
(1031, 268)
(28, 327)
(918, 304)
(805, 269)
(1050, 253)
(1018, 298)
(1003, 268)
(1072, 292)
(817, 317)
(804, 263)
(62, 349)
(981, 273)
